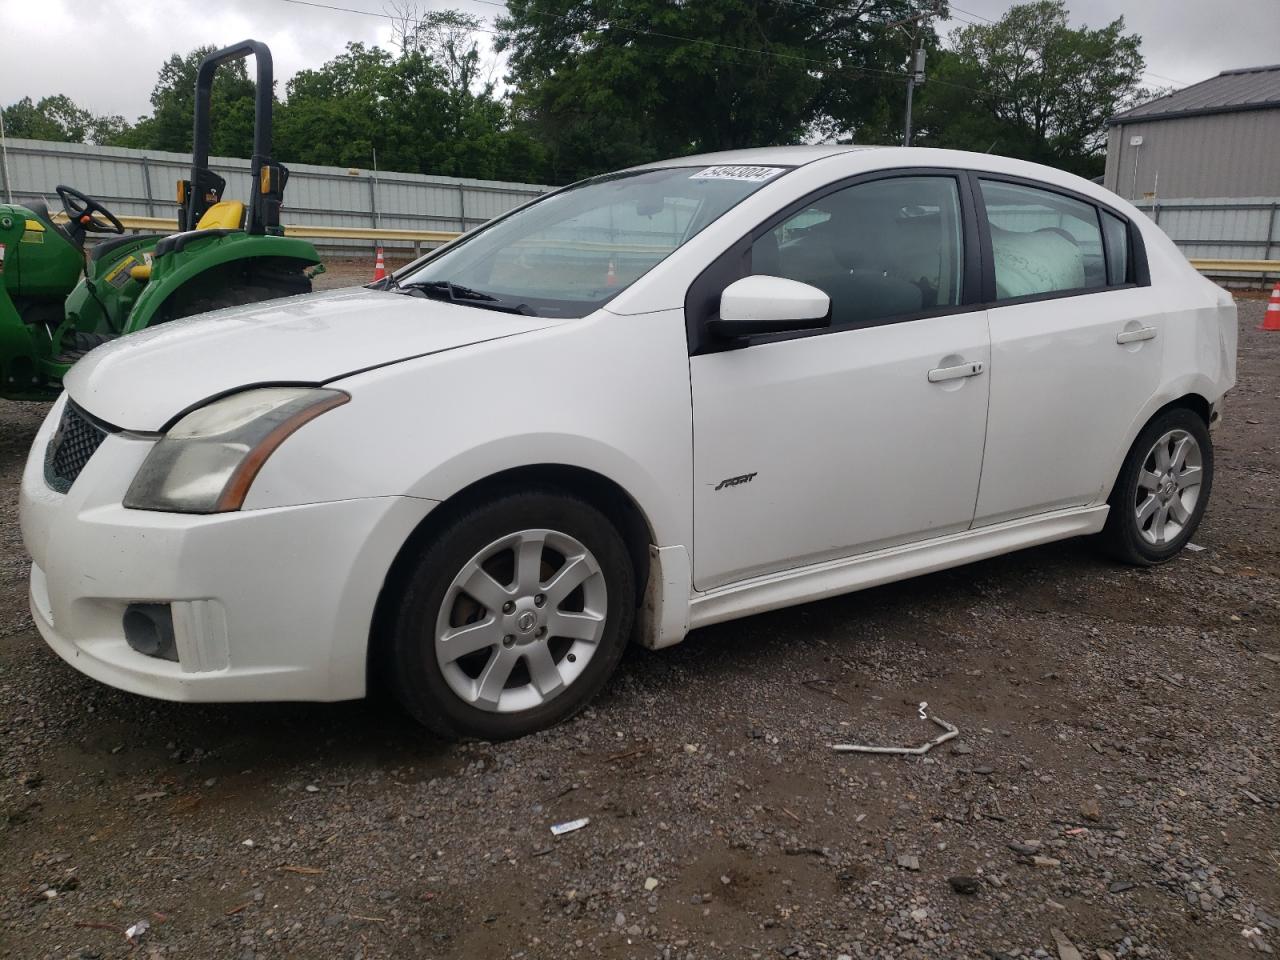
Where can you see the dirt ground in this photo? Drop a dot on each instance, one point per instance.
(351, 271)
(1114, 791)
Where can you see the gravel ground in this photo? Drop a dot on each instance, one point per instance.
(1114, 792)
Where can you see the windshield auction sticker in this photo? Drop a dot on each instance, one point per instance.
(734, 172)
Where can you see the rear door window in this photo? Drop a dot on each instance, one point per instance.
(1041, 241)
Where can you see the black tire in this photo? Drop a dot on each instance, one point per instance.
(1122, 536)
(413, 671)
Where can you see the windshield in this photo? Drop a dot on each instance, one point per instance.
(566, 255)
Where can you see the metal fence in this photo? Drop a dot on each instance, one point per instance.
(143, 183)
(1221, 229)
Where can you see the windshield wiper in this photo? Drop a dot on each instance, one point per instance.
(456, 293)
(389, 282)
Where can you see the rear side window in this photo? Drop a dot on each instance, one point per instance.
(1117, 236)
(881, 251)
(1041, 241)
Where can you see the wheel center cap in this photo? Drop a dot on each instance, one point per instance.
(526, 621)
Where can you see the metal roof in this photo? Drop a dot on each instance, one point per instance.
(1250, 88)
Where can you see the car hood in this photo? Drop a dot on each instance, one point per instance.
(140, 382)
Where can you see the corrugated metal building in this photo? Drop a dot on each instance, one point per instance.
(1204, 163)
(1219, 138)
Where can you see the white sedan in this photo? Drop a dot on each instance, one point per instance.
(654, 400)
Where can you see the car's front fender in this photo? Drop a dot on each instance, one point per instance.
(605, 394)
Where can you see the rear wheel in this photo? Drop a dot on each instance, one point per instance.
(1162, 491)
(514, 617)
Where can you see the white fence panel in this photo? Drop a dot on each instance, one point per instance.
(142, 183)
(1221, 229)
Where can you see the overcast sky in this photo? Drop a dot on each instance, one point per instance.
(104, 54)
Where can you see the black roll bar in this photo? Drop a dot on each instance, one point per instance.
(204, 182)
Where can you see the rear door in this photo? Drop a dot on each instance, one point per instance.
(825, 444)
(1075, 346)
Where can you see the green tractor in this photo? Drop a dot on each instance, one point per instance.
(58, 300)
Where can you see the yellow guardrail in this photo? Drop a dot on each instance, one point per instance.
(419, 237)
(369, 233)
(416, 237)
(150, 224)
(307, 231)
(1236, 266)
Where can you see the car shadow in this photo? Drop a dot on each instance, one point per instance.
(1034, 580)
(374, 734)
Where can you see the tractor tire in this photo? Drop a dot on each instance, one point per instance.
(236, 297)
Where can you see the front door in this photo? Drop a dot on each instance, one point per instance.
(869, 434)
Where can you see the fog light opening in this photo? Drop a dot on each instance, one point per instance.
(148, 629)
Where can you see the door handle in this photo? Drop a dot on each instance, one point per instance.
(1133, 336)
(939, 374)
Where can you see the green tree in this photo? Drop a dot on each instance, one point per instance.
(172, 117)
(1032, 86)
(108, 129)
(475, 136)
(426, 111)
(59, 118)
(616, 82)
(336, 114)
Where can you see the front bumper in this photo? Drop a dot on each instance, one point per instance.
(272, 604)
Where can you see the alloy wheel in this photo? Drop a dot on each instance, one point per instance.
(1168, 487)
(521, 621)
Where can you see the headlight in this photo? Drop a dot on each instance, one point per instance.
(206, 462)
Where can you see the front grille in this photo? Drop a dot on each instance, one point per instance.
(75, 442)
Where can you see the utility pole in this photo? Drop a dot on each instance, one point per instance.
(915, 76)
(373, 202)
(915, 66)
(4, 162)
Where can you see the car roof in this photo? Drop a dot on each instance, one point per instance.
(886, 157)
(891, 157)
(786, 156)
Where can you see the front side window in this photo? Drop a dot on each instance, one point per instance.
(1042, 242)
(566, 255)
(880, 250)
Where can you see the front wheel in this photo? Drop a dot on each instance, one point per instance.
(1162, 490)
(514, 617)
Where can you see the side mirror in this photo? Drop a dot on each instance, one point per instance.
(760, 305)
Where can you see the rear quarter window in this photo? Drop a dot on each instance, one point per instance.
(1119, 262)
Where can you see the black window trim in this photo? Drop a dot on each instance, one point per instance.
(1129, 266)
(703, 297)
(1136, 265)
(978, 288)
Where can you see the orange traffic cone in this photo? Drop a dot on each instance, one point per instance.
(379, 267)
(611, 277)
(1271, 320)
